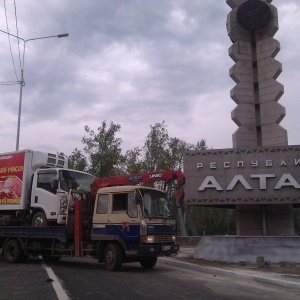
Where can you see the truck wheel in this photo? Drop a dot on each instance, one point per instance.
(39, 219)
(12, 251)
(149, 262)
(113, 257)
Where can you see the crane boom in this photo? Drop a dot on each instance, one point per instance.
(144, 177)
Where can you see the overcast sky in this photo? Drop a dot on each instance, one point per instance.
(133, 62)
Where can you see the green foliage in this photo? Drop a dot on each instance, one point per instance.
(174, 153)
(162, 152)
(201, 145)
(133, 162)
(77, 161)
(213, 220)
(103, 149)
(155, 147)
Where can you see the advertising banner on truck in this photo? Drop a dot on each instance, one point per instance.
(11, 177)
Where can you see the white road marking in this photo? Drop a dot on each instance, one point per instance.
(60, 292)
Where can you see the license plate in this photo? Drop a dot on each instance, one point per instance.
(165, 248)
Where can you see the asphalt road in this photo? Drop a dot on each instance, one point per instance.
(85, 279)
(26, 281)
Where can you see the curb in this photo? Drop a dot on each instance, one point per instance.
(262, 277)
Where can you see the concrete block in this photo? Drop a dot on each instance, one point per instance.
(260, 261)
(270, 90)
(268, 68)
(241, 50)
(271, 112)
(243, 92)
(242, 71)
(267, 263)
(287, 264)
(267, 47)
(267, 64)
(242, 263)
(274, 135)
(233, 249)
(245, 136)
(244, 114)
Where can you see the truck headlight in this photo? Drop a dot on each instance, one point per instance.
(63, 206)
(147, 239)
(150, 239)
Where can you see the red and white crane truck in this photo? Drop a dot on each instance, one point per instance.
(116, 222)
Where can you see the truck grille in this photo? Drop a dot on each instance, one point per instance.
(163, 239)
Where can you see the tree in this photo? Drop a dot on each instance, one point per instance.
(77, 161)
(104, 150)
(201, 145)
(155, 147)
(161, 151)
(133, 162)
(175, 152)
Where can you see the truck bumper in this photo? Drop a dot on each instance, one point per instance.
(61, 219)
(158, 250)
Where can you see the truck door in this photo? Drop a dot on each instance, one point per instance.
(100, 218)
(123, 219)
(44, 192)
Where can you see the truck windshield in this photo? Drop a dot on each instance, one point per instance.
(156, 204)
(70, 179)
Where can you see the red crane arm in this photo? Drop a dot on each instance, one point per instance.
(141, 177)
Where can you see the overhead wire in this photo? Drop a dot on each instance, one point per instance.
(9, 41)
(18, 34)
(9, 82)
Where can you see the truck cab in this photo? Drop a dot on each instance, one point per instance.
(49, 191)
(138, 219)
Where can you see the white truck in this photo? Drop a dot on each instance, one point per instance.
(34, 186)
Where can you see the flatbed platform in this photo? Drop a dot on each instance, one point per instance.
(46, 232)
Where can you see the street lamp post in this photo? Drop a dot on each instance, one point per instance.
(22, 83)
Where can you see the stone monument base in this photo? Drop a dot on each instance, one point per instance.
(235, 249)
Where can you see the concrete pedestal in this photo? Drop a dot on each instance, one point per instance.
(234, 249)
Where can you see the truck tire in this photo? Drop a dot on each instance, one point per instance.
(149, 262)
(13, 251)
(113, 257)
(39, 219)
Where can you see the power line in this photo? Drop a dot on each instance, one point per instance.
(17, 34)
(9, 82)
(9, 42)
